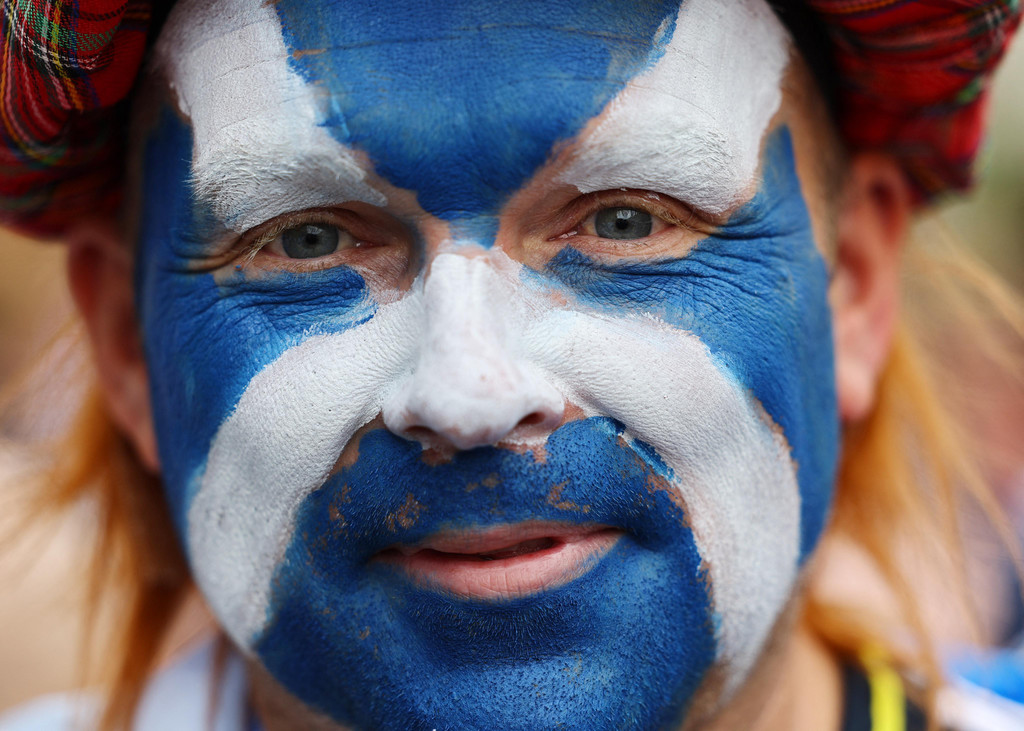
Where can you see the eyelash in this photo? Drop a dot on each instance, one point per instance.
(251, 245)
(640, 201)
(581, 211)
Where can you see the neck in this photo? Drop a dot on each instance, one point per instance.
(797, 686)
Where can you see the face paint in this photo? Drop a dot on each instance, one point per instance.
(260, 150)
(691, 125)
(681, 426)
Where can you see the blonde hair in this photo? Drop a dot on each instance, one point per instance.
(909, 470)
(135, 562)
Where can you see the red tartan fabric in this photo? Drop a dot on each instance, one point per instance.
(65, 68)
(913, 81)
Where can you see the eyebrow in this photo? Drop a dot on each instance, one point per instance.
(259, 149)
(244, 186)
(699, 167)
(691, 125)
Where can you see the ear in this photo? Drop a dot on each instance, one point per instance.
(873, 217)
(100, 275)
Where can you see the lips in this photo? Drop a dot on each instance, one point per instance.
(505, 562)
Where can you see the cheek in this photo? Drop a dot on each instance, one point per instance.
(208, 335)
(206, 342)
(756, 295)
(731, 383)
(279, 444)
(718, 455)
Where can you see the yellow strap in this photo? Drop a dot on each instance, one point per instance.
(888, 703)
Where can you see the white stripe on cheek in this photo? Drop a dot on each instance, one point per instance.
(731, 468)
(280, 444)
(259, 149)
(691, 126)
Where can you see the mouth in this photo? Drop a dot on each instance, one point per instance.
(505, 562)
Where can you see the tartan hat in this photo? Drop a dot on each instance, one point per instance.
(909, 77)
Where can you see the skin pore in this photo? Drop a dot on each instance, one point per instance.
(520, 317)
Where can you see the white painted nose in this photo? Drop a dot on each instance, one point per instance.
(468, 386)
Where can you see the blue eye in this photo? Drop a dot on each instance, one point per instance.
(310, 240)
(623, 223)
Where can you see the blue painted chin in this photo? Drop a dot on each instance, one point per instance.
(625, 645)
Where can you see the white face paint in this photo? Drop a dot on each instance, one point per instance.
(631, 392)
(691, 126)
(259, 150)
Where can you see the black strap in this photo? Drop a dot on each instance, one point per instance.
(857, 704)
(856, 700)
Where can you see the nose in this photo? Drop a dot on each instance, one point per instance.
(469, 387)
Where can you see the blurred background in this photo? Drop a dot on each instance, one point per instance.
(40, 629)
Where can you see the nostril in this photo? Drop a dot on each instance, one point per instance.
(533, 419)
(435, 410)
(419, 433)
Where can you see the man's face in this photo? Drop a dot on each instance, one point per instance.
(489, 349)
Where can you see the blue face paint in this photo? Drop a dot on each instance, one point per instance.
(477, 94)
(206, 336)
(631, 640)
(628, 643)
(755, 292)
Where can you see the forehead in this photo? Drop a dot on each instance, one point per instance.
(464, 103)
(488, 88)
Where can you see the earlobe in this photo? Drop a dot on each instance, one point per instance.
(100, 276)
(873, 218)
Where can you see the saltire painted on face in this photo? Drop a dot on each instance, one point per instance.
(754, 292)
(721, 458)
(731, 471)
(509, 81)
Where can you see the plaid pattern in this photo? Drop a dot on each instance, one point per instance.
(66, 65)
(913, 81)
